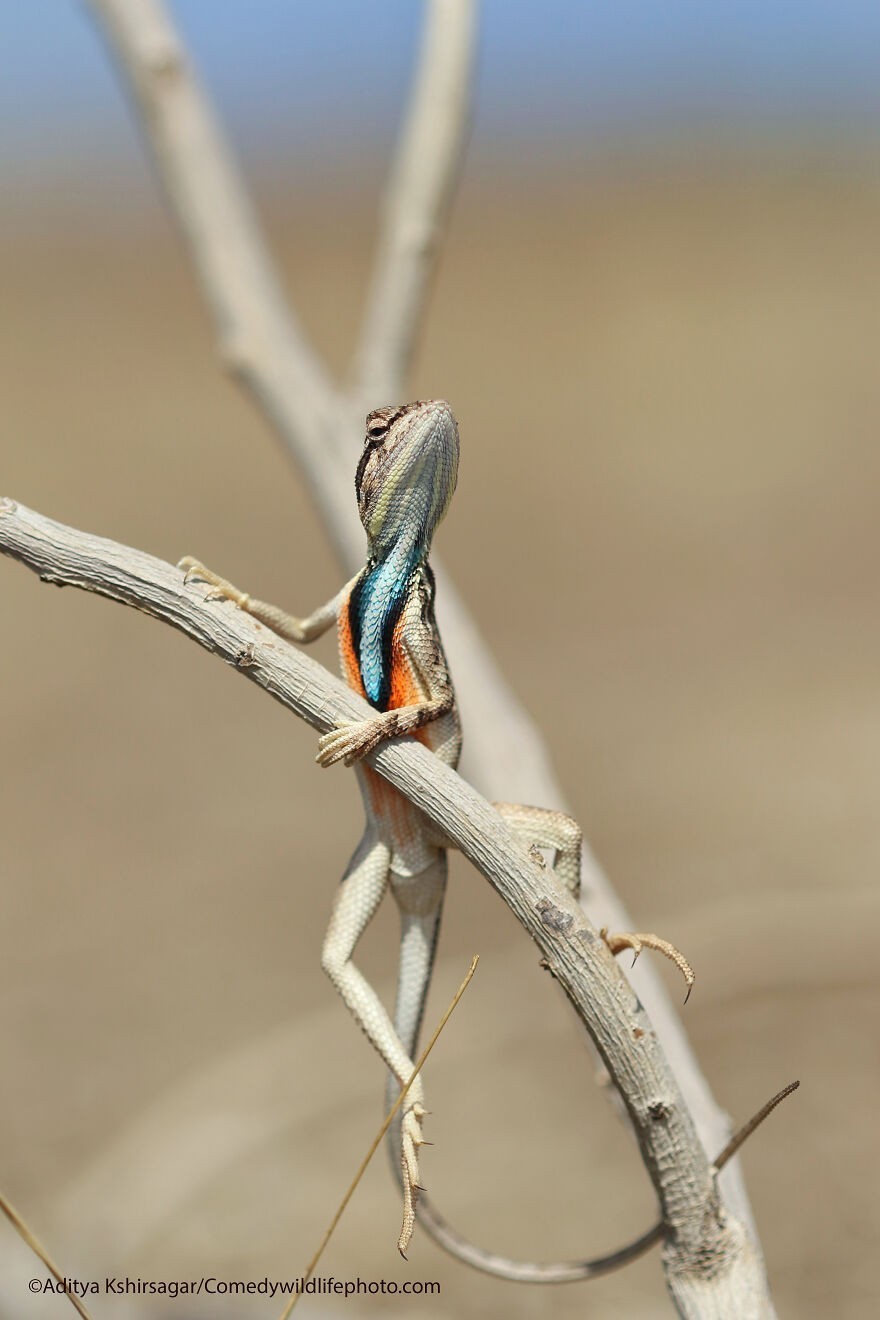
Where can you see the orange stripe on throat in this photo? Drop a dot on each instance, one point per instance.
(350, 664)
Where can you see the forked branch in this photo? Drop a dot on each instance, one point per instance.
(319, 423)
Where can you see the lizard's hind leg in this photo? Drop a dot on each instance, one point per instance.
(420, 901)
(359, 895)
(541, 827)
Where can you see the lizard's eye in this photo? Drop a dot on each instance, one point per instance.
(377, 429)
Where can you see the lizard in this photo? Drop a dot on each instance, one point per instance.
(392, 655)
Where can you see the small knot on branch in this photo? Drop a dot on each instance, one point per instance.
(553, 917)
(246, 657)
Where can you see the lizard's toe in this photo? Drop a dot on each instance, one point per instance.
(348, 742)
(220, 589)
(629, 940)
(332, 746)
(411, 1140)
(192, 568)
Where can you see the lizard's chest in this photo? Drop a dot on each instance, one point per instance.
(388, 642)
(395, 669)
(394, 666)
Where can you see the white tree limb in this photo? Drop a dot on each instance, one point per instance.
(709, 1260)
(419, 196)
(258, 337)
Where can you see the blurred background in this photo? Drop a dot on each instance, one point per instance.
(656, 317)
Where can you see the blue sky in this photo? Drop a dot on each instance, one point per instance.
(305, 76)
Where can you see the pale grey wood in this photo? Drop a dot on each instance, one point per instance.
(417, 201)
(258, 337)
(711, 1267)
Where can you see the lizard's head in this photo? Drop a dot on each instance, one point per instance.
(407, 473)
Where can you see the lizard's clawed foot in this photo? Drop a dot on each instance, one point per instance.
(411, 1139)
(348, 742)
(220, 588)
(629, 940)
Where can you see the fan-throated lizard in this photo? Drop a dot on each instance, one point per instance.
(392, 655)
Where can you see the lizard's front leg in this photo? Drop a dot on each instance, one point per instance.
(359, 895)
(352, 740)
(288, 626)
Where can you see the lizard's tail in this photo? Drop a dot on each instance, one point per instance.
(527, 1271)
(571, 1271)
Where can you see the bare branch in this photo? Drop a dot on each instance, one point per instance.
(710, 1262)
(418, 200)
(259, 339)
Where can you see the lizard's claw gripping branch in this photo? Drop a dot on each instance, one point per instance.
(629, 940)
(349, 742)
(194, 570)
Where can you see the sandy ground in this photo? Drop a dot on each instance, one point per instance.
(667, 522)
